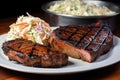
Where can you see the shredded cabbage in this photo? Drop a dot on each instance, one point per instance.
(29, 27)
(79, 8)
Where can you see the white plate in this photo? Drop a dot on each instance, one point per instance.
(74, 66)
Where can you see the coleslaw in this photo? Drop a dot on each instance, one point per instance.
(31, 28)
(79, 8)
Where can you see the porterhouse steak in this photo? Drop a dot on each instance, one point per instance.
(33, 54)
(87, 42)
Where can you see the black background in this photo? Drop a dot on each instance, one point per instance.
(10, 8)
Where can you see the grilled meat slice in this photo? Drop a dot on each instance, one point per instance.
(87, 42)
(33, 54)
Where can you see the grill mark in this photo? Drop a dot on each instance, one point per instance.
(13, 47)
(101, 38)
(82, 37)
(78, 35)
(93, 37)
(86, 41)
(102, 35)
(36, 60)
(32, 52)
(73, 33)
(64, 33)
(26, 47)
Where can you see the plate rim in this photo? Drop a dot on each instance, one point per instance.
(62, 70)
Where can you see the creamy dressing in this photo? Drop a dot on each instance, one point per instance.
(29, 27)
(79, 8)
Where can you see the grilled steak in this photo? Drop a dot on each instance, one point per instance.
(33, 54)
(82, 41)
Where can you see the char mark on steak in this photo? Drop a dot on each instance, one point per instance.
(33, 54)
(84, 41)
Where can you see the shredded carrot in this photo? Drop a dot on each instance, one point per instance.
(46, 25)
(22, 25)
(35, 22)
(26, 36)
(42, 36)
